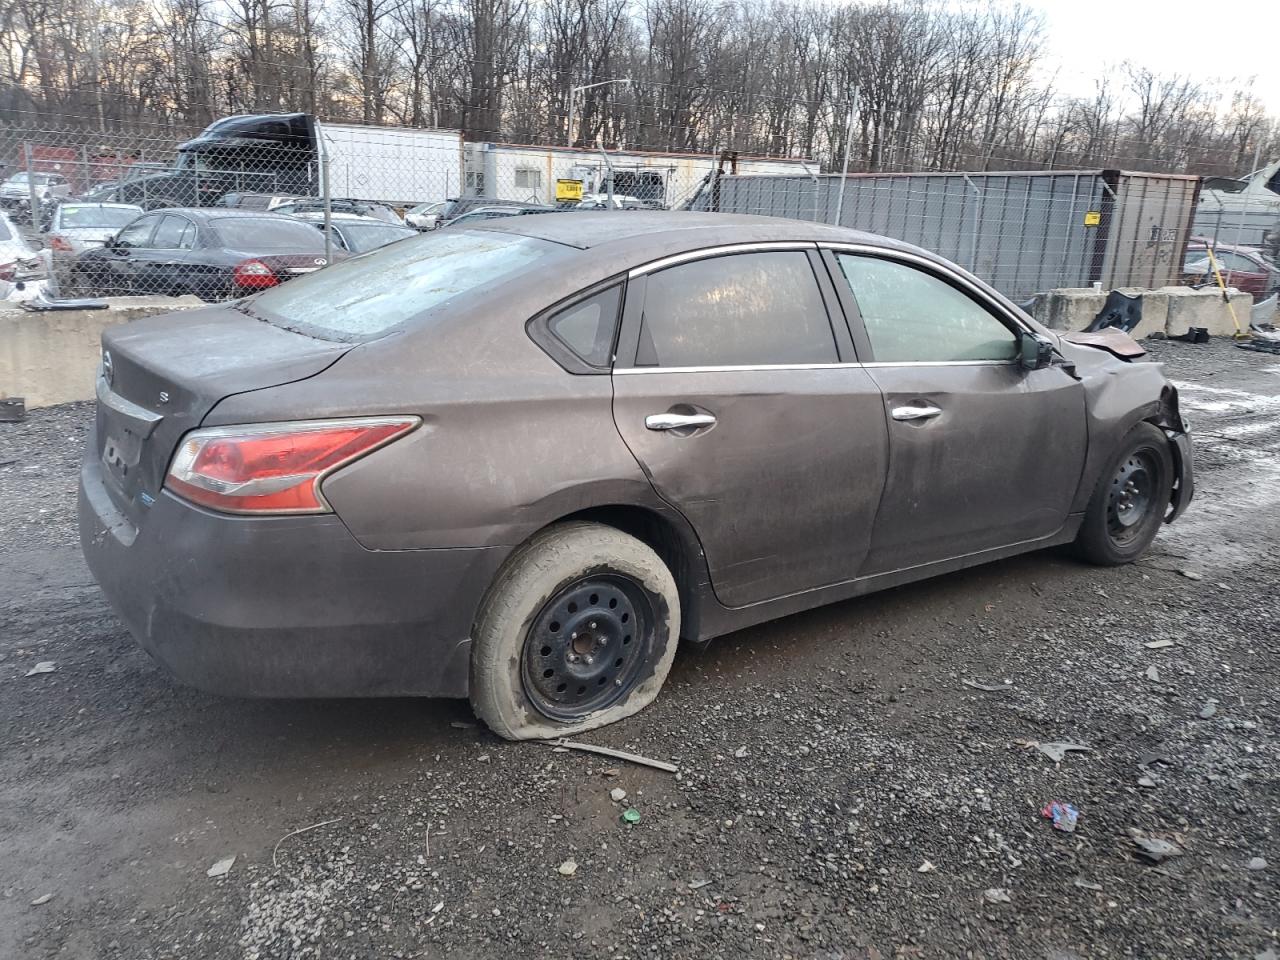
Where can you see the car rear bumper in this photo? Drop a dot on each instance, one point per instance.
(283, 606)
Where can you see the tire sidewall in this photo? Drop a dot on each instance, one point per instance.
(531, 578)
(1097, 541)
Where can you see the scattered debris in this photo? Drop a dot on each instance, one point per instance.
(44, 666)
(1155, 850)
(610, 752)
(617, 794)
(1269, 953)
(1055, 750)
(276, 848)
(699, 884)
(996, 895)
(1191, 574)
(1086, 885)
(1209, 710)
(1063, 815)
(988, 687)
(41, 900)
(1153, 673)
(1158, 644)
(1146, 781)
(631, 815)
(1257, 863)
(483, 758)
(568, 868)
(740, 753)
(462, 725)
(221, 868)
(926, 867)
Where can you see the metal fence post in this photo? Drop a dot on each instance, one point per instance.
(844, 172)
(328, 204)
(33, 196)
(977, 215)
(1244, 207)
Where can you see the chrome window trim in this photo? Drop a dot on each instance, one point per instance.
(722, 250)
(930, 266)
(739, 368)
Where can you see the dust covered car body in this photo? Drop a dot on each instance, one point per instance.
(518, 461)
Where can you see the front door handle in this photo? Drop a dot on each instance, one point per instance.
(677, 421)
(916, 411)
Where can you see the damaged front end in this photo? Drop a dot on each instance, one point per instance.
(1169, 418)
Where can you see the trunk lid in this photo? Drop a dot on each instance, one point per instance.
(286, 265)
(162, 375)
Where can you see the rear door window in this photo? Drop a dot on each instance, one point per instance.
(914, 317)
(746, 309)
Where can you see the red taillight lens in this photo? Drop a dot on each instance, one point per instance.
(274, 467)
(254, 275)
(59, 243)
(8, 271)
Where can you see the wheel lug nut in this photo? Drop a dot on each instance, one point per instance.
(573, 636)
(593, 624)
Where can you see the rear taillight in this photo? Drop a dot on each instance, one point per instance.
(59, 243)
(254, 275)
(274, 467)
(8, 271)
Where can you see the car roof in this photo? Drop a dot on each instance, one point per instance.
(222, 213)
(678, 230)
(317, 216)
(98, 203)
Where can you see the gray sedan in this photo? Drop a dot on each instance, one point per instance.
(519, 461)
(79, 226)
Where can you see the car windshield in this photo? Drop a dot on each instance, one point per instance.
(363, 237)
(90, 215)
(29, 178)
(267, 235)
(366, 296)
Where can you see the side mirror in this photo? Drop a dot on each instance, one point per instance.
(1036, 352)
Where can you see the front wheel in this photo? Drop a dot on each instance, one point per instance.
(578, 630)
(1130, 501)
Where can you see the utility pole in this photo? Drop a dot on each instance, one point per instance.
(844, 172)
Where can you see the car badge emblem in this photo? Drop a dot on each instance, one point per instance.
(108, 371)
(164, 396)
(320, 261)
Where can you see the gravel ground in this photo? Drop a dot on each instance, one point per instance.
(842, 792)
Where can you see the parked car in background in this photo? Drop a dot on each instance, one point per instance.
(601, 201)
(1245, 268)
(359, 234)
(77, 226)
(457, 206)
(359, 208)
(425, 216)
(48, 188)
(258, 201)
(210, 252)
(520, 461)
(16, 254)
(109, 190)
(479, 214)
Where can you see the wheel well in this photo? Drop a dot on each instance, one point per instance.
(678, 550)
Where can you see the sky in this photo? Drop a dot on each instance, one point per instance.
(1207, 41)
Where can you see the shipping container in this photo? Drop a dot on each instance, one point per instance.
(1022, 232)
(400, 166)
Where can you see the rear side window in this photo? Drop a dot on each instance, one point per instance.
(588, 327)
(746, 309)
(366, 296)
(174, 233)
(268, 234)
(914, 317)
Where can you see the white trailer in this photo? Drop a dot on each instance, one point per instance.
(1247, 209)
(399, 166)
(516, 172)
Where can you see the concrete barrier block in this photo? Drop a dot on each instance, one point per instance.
(52, 357)
(1205, 308)
(1072, 308)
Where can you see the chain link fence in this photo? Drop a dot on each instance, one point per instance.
(252, 201)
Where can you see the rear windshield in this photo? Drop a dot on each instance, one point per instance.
(94, 216)
(268, 235)
(366, 296)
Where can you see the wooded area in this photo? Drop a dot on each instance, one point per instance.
(937, 88)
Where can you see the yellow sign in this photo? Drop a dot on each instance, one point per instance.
(567, 190)
(1092, 218)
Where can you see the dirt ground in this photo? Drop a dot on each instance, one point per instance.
(842, 792)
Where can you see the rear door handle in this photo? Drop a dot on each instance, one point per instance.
(675, 421)
(916, 411)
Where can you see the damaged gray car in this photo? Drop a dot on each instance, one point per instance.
(518, 462)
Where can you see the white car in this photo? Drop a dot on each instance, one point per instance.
(48, 188)
(16, 257)
(77, 226)
(425, 216)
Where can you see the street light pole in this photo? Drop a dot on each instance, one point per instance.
(588, 86)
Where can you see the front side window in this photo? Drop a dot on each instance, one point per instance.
(138, 233)
(746, 309)
(914, 317)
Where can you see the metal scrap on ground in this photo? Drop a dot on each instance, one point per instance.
(563, 744)
(1055, 750)
(988, 687)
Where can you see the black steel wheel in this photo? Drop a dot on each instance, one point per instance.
(577, 630)
(585, 650)
(1130, 500)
